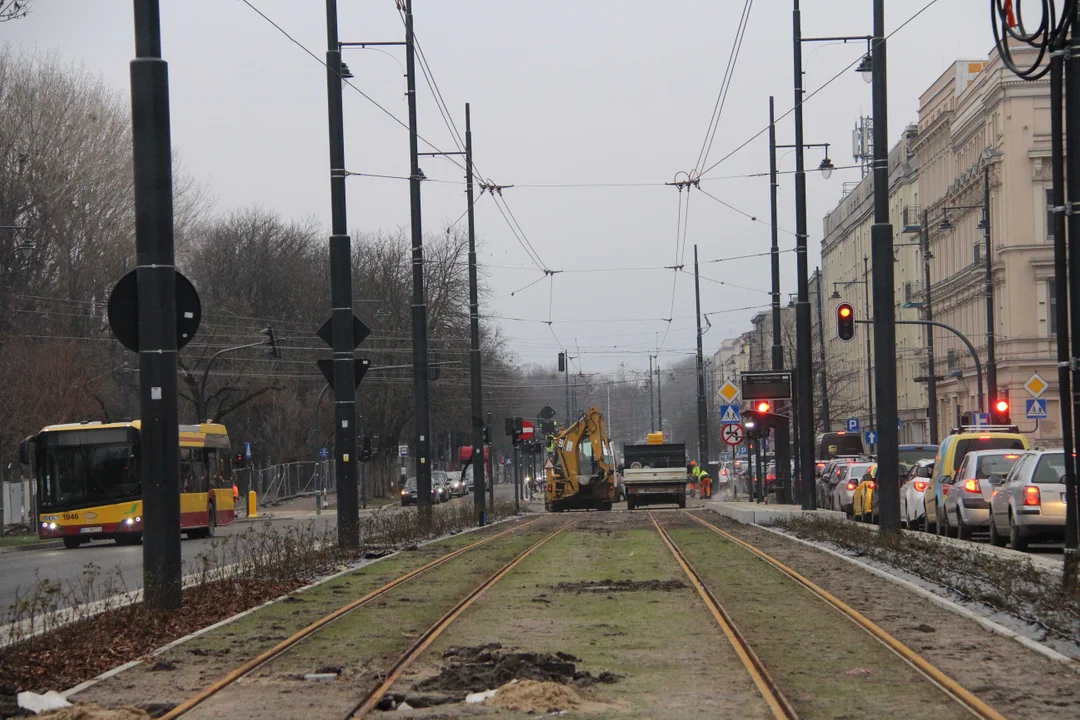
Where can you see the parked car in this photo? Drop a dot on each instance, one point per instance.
(862, 501)
(951, 453)
(408, 492)
(911, 454)
(842, 494)
(911, 493)
(455, 484)
(966, 506)
(829, 476)
(1031, 501)
(468, 480)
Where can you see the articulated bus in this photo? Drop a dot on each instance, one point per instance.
(89, 485)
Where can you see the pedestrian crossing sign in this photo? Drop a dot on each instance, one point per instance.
(729, 415)
(1036, 409)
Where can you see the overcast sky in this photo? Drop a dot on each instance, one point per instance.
(563, 93)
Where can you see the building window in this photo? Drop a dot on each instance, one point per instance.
(1051, 294)
(950, 360)
(978, 253)
(1049, 214)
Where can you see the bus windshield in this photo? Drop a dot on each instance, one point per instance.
(78, 468)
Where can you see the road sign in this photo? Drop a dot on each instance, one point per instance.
(899, 424)
(403, 451)
(360, 368)
(741, 451)
(871, 437)
(853, 425)
(729, 415)
(732, 434)
(547, 413)
(729, 391)
(1036, 386)
(549, 465)
(324, 453)
(124, 311)
(766, 385)
(1036, 409)
(527, 430)
(981, 419)
(360, 331)
(247, 450)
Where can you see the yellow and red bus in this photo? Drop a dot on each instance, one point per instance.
(89, 485)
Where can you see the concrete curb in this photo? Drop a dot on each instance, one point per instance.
(942, 602)
(765, 514)
(46, 545)
(179, 641)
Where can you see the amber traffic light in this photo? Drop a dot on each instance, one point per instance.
(845, 322)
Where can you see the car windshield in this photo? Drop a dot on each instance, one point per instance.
(81, 468)
(1000, 464)
(856, 471)
(908, 458)
(410, 484)
(1051, 469)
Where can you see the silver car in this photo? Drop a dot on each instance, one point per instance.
(1031, 502)
(967, 504)
(912, 509)
(842, 495)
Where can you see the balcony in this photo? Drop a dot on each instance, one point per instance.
(913, 294)
(912, 219)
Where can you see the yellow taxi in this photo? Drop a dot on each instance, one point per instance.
(951, 453)
(862, 506)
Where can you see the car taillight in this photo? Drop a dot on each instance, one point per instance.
(723, 471)
(871, 485)
(1032, 496)
(851, 485)
(984, 437)
(920, 486)
(972, 486)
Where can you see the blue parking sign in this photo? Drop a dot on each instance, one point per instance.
(853, 425)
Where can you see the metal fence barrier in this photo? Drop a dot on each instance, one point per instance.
(276, 483)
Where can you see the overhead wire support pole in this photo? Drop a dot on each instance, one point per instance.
(992, 392)
(822, 376)
(1072, 157)
(869, 352)
(652, 403)
(345, 447)
(777, 347)
(156, 273)
(421, 419)
(476, 387)
(804, 352)
(702, 410)
(928, 314)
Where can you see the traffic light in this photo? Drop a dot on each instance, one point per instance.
(763, 406)
(562, 362)
(238, 463)
(845, 322)
(999, 410)
(365, 451)
(434, 366)
(272, 341)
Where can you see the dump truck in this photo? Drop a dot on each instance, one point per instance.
(582, 472)
(654, 473)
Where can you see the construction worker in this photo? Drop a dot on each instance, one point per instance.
(704, 480)
(692, 472)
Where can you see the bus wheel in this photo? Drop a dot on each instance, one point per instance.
(72, 543)
(211, 522)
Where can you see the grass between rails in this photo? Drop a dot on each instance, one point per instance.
(15, 540)
(1016, 587)
(609, 592)
(54, 630)
(834, 669)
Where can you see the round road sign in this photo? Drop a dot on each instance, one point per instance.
(527, 429)
(732, 434)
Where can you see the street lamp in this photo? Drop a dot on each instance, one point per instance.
(866, 68)
(27, 245)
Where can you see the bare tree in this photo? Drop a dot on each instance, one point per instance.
(13, 9)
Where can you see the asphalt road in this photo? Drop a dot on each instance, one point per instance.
(22, 570)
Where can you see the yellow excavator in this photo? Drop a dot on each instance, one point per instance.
(583, 473)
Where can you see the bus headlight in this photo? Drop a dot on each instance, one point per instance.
(52, 526)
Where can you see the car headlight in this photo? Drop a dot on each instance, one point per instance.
(404, 492)
(129, 522)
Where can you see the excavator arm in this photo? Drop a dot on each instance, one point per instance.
(582, 454)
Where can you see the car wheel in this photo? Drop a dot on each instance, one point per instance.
(996, 538)
(1016, 537)
(963, 531)
(927, 526)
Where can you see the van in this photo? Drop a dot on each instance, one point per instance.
(832, 444)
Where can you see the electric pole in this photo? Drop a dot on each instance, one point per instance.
(659, 397)
(702, 412)
(156, 277)
(652, 415)
(421, 420)
(474, 338)
(341, 300)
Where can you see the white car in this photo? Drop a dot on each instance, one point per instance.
(455, 484)
(842, 494)
(1031, 502)
(912, 508)
(967, 504)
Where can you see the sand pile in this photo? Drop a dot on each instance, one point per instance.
(526, 695)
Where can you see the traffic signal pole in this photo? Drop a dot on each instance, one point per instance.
(702, 410)
(156, 277)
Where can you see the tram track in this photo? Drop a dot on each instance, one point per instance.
(288, 643)
(952, 689)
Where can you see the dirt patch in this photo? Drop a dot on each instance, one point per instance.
(610, 586)
(89, 711)
(483, 667)
(533, 696)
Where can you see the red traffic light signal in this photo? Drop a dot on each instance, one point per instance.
(763, 406)
(1002, 406)
(845, 322)
(999, 414)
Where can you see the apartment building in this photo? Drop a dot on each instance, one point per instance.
(979, 115)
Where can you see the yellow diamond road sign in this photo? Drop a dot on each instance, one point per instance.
(1036, 386)
(729, 391)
